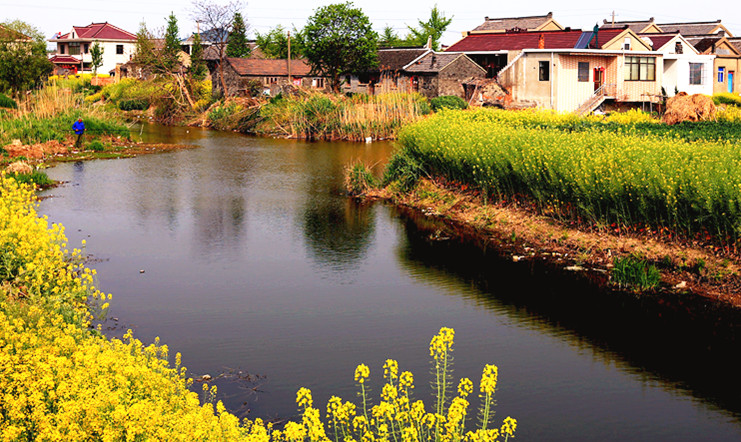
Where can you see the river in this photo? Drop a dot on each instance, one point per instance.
(245, 256)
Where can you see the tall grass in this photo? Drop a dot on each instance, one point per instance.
(589, 175)
(337, 117)
(48, 113)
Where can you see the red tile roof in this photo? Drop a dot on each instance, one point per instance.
(64, 59)
(99, 31)
(269, 67)
(657, 40)
(526, 40)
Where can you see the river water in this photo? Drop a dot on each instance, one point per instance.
(254, 261)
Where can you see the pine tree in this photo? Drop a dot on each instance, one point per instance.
(171, 49)
(197, 64)
(236, 43)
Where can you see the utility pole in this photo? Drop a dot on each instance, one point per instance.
(290, 80)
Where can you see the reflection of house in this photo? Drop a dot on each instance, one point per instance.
(272, 74)
(532, 23)
(73, 49)
(569, 70)
(685, 69)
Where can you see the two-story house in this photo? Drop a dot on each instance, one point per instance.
(73, 48)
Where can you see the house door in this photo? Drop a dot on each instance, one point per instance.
(730, 81)
(599, 77)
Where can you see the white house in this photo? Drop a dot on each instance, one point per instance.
(73, 48)
(685, 69)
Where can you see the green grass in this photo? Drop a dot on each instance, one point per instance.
(37, 177)
(634, 272)
(7, 102)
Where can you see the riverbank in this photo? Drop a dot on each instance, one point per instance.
(643, 206)
(522, 235)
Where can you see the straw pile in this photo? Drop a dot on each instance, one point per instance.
(683, 107)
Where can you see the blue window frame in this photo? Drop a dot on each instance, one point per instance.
(721, 75)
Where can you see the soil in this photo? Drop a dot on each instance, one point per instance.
(688, 268)
(54, 151)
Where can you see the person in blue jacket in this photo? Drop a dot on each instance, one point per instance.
(79, 128)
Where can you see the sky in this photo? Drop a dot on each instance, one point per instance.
(262, 15)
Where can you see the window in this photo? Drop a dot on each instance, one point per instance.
(74, 49)
(640, 68)
(583, 71)
(626, 44)
(271, 80)
(678, 47)
(317, 83)
(695, 73)
(119, 49)
(86, 48)
(543, 70)
(61, 49)
(721, 74)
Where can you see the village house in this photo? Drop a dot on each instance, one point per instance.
(639, 27)
(73, 48)
(240, 74)
(532, 23)
(385, 78)
(440, 73)
(569, 70)
(685, 69)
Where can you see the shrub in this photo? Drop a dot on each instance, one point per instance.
(402, 169)
(37, 178)
(133, 104)
(448, 102)
(635, 272)
(7, 102)
(727, 98)
(359, 179)
(96, 145)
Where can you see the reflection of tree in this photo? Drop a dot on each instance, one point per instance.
(338, 231)
(675, 341)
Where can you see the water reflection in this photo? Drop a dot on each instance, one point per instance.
(666, 343)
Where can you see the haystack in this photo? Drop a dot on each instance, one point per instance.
(19, 167)
(683, 107)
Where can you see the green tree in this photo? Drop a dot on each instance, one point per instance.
(434, 27)
(198, 68)
(339, 40)
(23, 60)
(274, 44)
(389, 38)
(96, 53)
(144, 54)
(236, 42)
(171, 49)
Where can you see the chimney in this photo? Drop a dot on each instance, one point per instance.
(486, 18)
(550, 15)
(429, 42)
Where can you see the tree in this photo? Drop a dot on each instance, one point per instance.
(144, 54)
(389, 38)
(171, 48)
(236, 43)
(23, 60)
(198, 68)
(218, 20)
(274, 44)
(434, 27)
(96, 53)
(339, 40)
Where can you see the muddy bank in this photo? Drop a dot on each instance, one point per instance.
(54, 151)
(690, 273)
